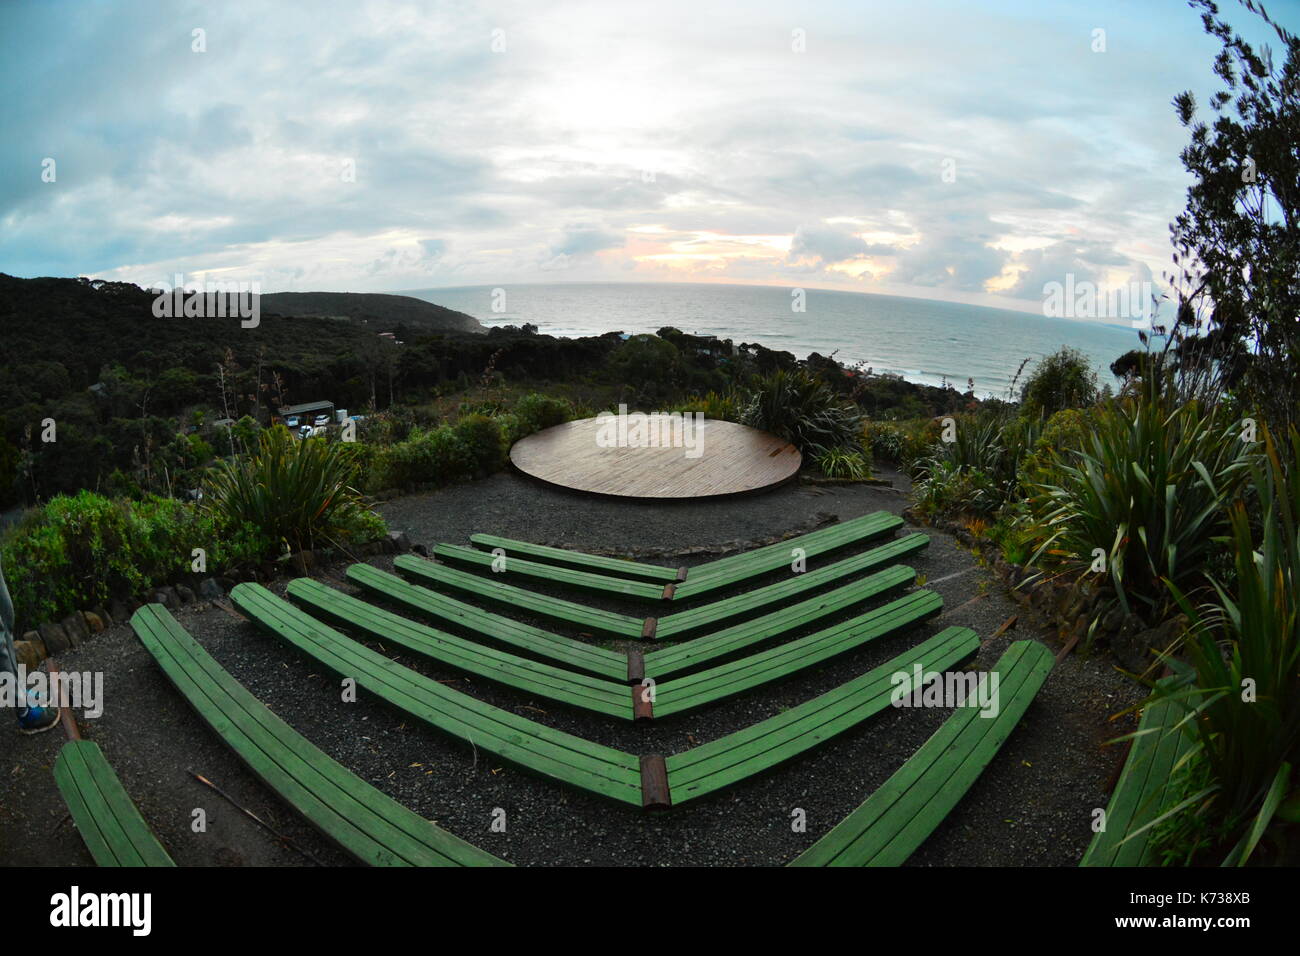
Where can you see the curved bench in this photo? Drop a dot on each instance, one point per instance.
(521, 741)
(363, 821)
(110, 825)
(899, 816)
(1140, 794)
(609, 574)
(720, 763)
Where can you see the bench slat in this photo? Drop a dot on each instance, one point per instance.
(661, 662)
(565, 650)
(109, 823)
(594, 619)
(740, 567)
(742, 754)
(1140, 793)
(581, 580)
(363, 821)
(683, 622)
(615, 567)
(898, 817)
(578, 690)
(736, 677)
(553, 753)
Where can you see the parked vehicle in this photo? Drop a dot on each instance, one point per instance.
(293, 421)
(321, 420)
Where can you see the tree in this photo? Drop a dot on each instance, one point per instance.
(1237, 244)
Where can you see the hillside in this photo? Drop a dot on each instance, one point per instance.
(371, 308)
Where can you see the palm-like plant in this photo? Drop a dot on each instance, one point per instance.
(1149, 490)
(293, 491)
(1245, 651)
(804, 411)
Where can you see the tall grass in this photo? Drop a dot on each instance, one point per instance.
(294, 491)
(802, 409)
(1245, 650)
(1148, 490)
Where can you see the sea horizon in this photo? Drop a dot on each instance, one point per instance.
(928, 341)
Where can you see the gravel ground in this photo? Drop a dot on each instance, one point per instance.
(1031, 807)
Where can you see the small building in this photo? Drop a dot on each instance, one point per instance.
(297, 415)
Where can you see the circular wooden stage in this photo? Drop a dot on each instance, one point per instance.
(639, 457)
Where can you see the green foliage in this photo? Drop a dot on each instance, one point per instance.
(978, 471)
(80, 551)
(903, 443)
(1064, 379)
(296, 492)
(1250, 743)
(483, 442)
(842, 463)
(725, 406)
(536, 411)
(801, 409)
(1237, 245)
(1061, 436)
(651, 366)
(1148, 490)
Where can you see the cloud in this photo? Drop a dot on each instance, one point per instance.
(386, 145)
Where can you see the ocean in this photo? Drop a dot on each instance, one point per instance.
(922, 340)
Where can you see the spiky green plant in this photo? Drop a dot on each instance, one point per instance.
(1148, 490)
(1245, 650)
(295, 491)
(804, 411)
(842, 463)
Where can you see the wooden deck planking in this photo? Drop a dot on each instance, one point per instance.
(733, 459)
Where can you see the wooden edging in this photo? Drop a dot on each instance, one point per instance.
(655, 794)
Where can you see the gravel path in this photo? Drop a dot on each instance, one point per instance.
(1032, 807)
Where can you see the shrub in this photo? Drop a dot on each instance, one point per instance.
(536, 411)
(839, 463)
(1064, 379)
(978, 471)
(1248, 745)
(802, 410)
(1148, 491)
(80, 551)
(294, 491)
(718, 406)
(903, 443)
(483, 443)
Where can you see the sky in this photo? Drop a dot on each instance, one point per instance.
(947, 150)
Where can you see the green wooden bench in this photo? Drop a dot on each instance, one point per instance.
(362, 820)
(567, 577)
(568, 687)
(1141, 793)
(614, 567)
(735, 677)
(604, 696)
(685, 655)
(435, 575)
(578, 569)
(523, 742)
(681, 623)
(899, 816)
(571, 653)
(113, 829)
(698, 650)
(737, 756)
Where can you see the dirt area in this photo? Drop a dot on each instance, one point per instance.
(1031, 807)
